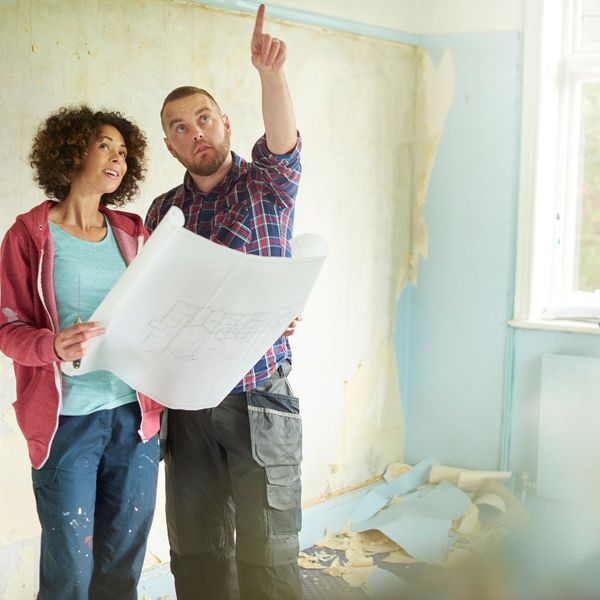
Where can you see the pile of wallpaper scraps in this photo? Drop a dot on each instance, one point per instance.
(428, 513)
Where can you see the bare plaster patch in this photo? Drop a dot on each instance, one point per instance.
(371, 432)
(371, 435)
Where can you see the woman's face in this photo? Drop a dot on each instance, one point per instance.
(105, 164)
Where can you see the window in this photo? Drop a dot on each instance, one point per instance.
(558, 255)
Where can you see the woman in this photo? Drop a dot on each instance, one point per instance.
(92, 440)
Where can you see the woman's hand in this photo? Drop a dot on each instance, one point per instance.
(71, 343)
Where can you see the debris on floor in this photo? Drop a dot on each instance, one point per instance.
(430, 515)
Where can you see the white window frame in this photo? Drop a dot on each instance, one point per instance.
(548, 140)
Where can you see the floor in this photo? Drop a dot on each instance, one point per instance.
(157, 584)
(316, 585)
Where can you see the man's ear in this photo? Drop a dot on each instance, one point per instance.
(226, 122)
(169, 147)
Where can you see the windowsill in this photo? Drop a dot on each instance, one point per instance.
(556, 325)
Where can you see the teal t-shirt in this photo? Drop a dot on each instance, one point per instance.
(84, 272)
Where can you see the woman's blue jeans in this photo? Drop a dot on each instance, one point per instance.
(95, 500)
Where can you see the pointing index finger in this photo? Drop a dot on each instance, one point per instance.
(258, 24)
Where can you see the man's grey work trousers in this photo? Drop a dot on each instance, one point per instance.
(232, 469)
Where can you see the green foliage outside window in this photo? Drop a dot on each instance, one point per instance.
(587, 273)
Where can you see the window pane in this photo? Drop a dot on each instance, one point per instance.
(591, 30)
(590, 24)
(587, 267)
(591, 7)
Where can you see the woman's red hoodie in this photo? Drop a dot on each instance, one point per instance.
(29, 323)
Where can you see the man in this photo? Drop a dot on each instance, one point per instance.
(236, 467)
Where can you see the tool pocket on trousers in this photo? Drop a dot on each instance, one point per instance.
(276, 434)
(275, 429)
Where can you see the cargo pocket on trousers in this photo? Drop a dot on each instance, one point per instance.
(283, 496)
(276, 432)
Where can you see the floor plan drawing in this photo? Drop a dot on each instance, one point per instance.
(191, 332)
(187, 341)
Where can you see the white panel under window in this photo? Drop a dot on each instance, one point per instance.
(569, 442)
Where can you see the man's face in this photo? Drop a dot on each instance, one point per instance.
(197, 134)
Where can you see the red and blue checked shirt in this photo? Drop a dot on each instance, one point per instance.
(251, 210)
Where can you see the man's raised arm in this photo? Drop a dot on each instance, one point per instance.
(268, 56)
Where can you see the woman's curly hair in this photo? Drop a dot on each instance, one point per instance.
(61, 144)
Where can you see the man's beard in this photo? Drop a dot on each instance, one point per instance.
(211, 164)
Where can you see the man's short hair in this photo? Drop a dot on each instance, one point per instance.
(184, 92)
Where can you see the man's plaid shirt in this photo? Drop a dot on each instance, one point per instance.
(251, 210)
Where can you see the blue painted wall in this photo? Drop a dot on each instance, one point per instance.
(453, 372)
(451, 331)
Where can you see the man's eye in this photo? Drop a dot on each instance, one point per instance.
(180, 128)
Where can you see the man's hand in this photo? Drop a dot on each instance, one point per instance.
(291, 328)
(71, 343)
(268, 56)
(268, 53)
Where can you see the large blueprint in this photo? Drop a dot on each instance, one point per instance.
(189, 318)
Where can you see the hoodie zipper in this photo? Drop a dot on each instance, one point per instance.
(57, 373)
(140, 241)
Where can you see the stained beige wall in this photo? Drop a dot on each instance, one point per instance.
(355, 103)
